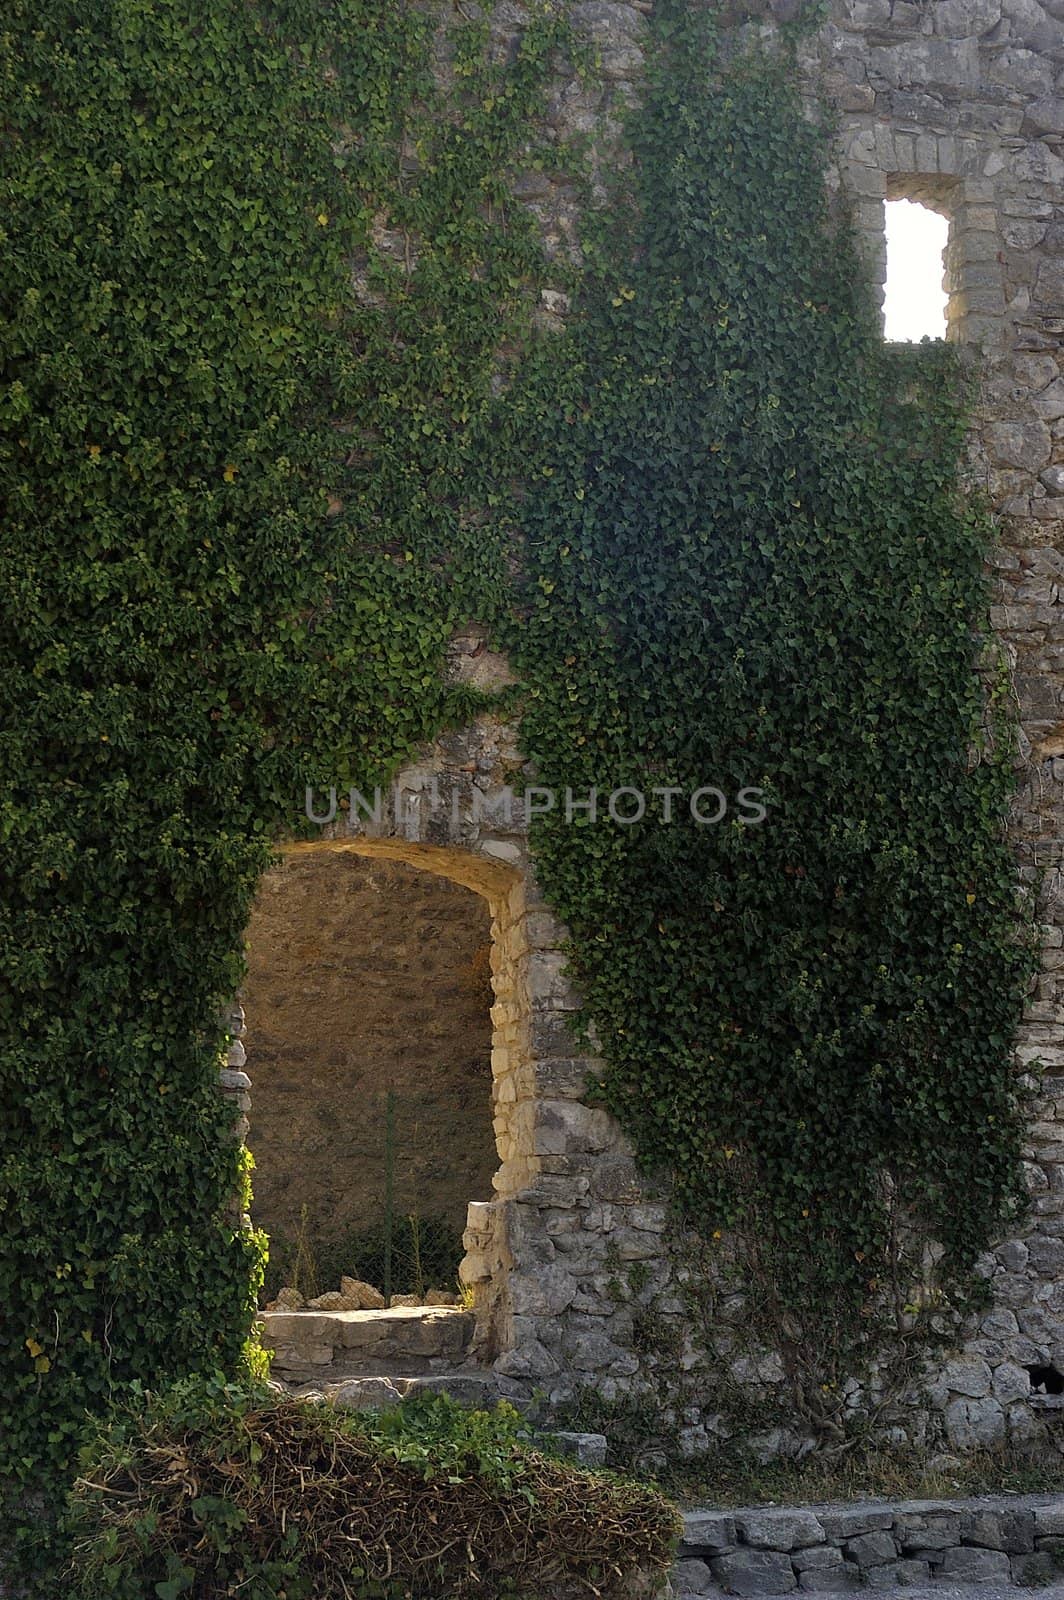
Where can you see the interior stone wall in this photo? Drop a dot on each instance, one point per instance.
(367, 980)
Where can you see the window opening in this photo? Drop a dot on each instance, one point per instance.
(915, 301)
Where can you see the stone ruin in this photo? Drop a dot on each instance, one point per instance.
(958, 104)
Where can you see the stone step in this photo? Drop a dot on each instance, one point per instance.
(377, 1393)
(401, 1342)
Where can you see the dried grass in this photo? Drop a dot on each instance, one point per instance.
(304, 1476)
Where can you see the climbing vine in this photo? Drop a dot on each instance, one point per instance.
(260, 260)
(750, 564)
(264, 266)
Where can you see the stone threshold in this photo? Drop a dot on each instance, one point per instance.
(887, 1546)
(402, 1341)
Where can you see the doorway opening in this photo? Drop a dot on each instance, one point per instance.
(368, 1000)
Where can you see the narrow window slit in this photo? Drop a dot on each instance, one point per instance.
(916, 299)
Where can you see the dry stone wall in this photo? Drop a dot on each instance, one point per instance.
(878, 1545)
(959, 103)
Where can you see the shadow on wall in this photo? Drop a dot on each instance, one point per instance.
(369, 1048)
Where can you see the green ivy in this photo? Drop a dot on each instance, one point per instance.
(259, 262)
(262, 260)
(749, 563)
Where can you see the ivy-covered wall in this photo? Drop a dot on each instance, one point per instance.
(330, 329)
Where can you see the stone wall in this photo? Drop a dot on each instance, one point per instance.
(881, 1545)
(959, 103)
(367, 979)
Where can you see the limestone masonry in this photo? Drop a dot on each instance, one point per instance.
(959, 103)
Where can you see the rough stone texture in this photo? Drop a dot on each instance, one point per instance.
(364, 978)
(835, 1580)
(975, 1566)
(958, 104)
(1012, 1531)
(587, 1448)
(872, 1549)
(898, 1575)
(778, 1530)
(975, 1542)
(712, 1531)
(329, 1346)
(753, 1572)
(368, 1298)
(692, 1577)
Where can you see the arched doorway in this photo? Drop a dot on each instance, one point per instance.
(536, 1272)
(368, 999)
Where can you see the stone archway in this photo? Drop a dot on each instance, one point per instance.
(512, 1088)
(569, 1209)
(368, 997)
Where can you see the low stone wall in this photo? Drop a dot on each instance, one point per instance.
(875, 1544)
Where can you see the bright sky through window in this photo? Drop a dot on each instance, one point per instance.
(915, 300)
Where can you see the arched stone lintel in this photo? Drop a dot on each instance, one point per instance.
(485, 874)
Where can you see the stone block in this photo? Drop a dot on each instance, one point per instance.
(1011, 1383)
(1050, 403)
(967, 1375)
(366, 1394)
(1034, 1570)
(963, 19)
(934, 1529)
(294, 1357)
(530, 1360)
(974, 1424)
(298, 1327)
(754, 1572)
(1025, 445)
(545, 1292)
(872, 1549)
(1047, 1255)
(596, 1352)
(590, 1450)
(779, 1530)
(565, 1077)
(992, 1529)
(817, 1557)
(712, 1531)
(831, 1580)
(898, 1575)
(467, 1388)
(841, 1523)
(1047, 114)
(963, 1565)
(1049, 1519)
(692, 1576)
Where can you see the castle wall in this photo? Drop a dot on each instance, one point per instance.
(959, 102)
